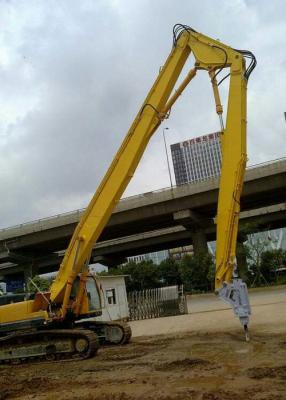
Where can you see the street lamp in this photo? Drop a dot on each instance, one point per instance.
(167, 157)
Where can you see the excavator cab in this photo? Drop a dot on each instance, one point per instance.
(93, 294)
(92, 300)
(108, 332)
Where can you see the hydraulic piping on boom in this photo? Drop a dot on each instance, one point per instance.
(47, 326)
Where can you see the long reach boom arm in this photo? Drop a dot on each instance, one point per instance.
(212, 56)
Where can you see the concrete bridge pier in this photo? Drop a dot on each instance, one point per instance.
(200, 244)
(195, 224)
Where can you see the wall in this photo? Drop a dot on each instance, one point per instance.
(114, 302)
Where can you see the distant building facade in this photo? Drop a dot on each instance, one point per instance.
(156, 257)
(197, 159)
(178, 253)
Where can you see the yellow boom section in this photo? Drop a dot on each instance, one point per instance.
(232, 174)
(210, 55)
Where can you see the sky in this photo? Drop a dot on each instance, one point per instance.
(73, 75)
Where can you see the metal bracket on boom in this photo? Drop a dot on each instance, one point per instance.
(236, 294)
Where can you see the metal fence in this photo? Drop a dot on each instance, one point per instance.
(159, 302)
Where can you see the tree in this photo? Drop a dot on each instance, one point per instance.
(143, 275)
(242, 257)
(244, 254)
(195, 271)
(256, 246)
(211, 275)
(271, 261)
(42, 283)
(169, 272)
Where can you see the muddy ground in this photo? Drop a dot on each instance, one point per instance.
(216, 366)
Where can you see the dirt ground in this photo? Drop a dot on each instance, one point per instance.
(209, 365)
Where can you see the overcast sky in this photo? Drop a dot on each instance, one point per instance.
(73, 75)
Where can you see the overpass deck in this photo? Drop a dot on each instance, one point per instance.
(265, 187)
(254, 173)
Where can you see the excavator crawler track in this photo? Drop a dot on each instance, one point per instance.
(121, 327)
(48, 345)
(110, 333)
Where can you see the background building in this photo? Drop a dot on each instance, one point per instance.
(179, 252)
(156, 257)
(197, 159)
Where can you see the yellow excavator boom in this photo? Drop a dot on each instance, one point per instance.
(212, 56)
(51, 324)
(68, 300)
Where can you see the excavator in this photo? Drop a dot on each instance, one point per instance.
(60, 323)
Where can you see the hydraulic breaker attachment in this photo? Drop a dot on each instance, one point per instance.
(236, 294)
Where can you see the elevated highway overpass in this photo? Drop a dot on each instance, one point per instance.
(150, 221)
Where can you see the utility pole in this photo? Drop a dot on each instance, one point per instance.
(170, 177)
